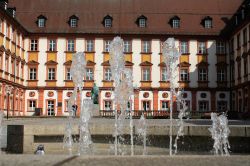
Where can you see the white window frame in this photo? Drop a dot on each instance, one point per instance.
(142, 22)
(221, 75)
(90, 45)
(127, 46)
(202, 48)
(89, 74)
(107, 74)
(147, 104)
(220, 47)
(32, 74)
(52, 45)
(71, 45)
(165, 105)
(51, 107)
(32, 105)
(68, 74)
(73, 22)
(164, 74)
(184, 47)
(203, 74)
(107, 105)
(146, 75)
(208, 23)
(51, 74)
(146, 48)
(184, 75)
(203, 106)
(176, 23)
(107, 46)
(41, 22)
(33, 45)
(108, 23)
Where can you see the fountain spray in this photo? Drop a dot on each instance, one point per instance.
(123, 89)
(220, 132)
(170, 57)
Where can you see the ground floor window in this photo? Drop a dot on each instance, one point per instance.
(221, 106)
(51, 107)
(146, 105)
(165, 105)
(32, 105)
(245, 105)
(203, 106)
(107, 105)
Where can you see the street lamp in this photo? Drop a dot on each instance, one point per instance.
(8, 90)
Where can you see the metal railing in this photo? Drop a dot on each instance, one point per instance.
(154, 114)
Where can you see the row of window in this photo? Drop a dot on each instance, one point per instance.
(140, 21)
(146, 74)
(203, 105)
(240, 42)
(146, 46)
(10, 66)
(13, 35)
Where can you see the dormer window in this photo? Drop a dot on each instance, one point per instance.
(242, 14)
(175, 22)
(207, 22)
(141, 21)
(73, 21)
(107, 21)
(41, 21)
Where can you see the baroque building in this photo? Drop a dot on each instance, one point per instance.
(38, 39)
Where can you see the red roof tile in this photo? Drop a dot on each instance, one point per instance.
(124, 14)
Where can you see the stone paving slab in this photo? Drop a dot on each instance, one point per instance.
(64, 160)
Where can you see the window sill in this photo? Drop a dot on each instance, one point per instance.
(50, 80)
(203, 81)
(88, 80)
(148, 53)
(68, 80)
(69, 51)
(89, 52)
(184, 81)
(164, 81)
(51, 51)
(31, 80)
(185, 54)
(128, 52)
(32, 51)
(107, 81)
(205, 54)
(146, 81)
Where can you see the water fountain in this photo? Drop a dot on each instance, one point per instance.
(220, 132)
(171, 57)
(141, 129)
(85, 143)
(78, 71)
(123, 89)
